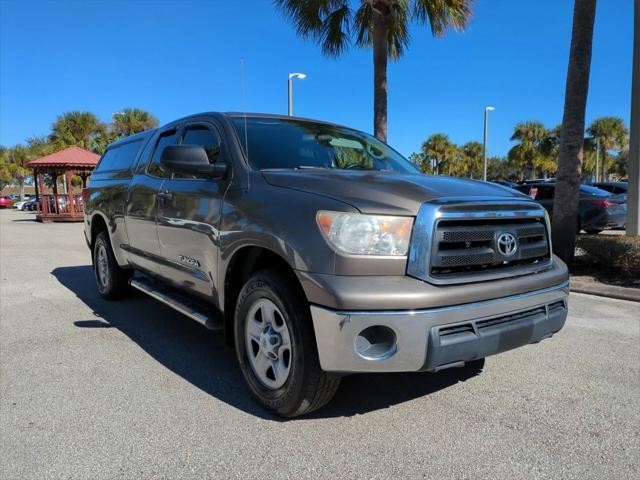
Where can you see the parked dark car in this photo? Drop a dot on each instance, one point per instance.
(614, 188)
(597, 209)
(320, 251)
(504, 183)
(31, 205)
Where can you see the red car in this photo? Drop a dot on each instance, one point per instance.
(5, 202)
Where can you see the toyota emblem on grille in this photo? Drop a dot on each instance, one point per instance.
(507, 244)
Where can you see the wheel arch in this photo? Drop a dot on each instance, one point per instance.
(243, 263)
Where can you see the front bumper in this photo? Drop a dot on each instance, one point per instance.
(436, 338)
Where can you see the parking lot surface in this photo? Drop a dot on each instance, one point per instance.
(132, 389)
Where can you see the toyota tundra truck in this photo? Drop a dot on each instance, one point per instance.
(320, 251)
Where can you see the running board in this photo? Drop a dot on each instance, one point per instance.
(176, 301)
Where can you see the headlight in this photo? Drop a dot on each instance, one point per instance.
(360, 234)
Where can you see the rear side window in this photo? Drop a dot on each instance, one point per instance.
(120, 157)
(544, 193)
(593, 191)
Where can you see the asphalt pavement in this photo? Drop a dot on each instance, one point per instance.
(91, 389)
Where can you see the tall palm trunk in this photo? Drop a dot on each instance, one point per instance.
(21, 183)
(380, 71)
(565, 205)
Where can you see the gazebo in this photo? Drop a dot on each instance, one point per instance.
(71, 161)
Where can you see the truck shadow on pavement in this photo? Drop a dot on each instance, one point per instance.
(202, 358)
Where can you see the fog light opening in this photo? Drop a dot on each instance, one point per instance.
(376, 343)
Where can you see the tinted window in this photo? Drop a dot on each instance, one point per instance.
(544, 192)
(593, 190)
(284, 143)
(120, 157)
(203, 137)
(167, 138)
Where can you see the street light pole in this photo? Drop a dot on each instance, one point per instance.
(633, 200)
(301, 76)
(487, 109)
(597, 158)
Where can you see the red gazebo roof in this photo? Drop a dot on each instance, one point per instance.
(69, 157)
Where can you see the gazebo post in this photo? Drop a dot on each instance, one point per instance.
(68, 174)
(35, 181)
(41, 202)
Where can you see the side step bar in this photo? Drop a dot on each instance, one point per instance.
(177, 302)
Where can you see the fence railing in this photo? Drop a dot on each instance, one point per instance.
(60, 204)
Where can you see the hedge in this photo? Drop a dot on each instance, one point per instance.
(618, 251)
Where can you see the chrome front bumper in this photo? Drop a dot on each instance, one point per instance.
(437, 338)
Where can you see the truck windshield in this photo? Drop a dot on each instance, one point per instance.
(275, 143)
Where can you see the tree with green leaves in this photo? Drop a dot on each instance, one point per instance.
(16, 163)
(76, 129)
(382, 25)
(439, 154)
(529, 153)
(5, 172)
(132, 120)
(469, 161)
(610, 133)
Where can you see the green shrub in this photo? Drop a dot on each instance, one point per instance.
(618, 251)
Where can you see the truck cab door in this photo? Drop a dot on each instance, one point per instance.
(141, 206)
(189, 212)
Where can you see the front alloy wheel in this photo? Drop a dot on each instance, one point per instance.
(276, 347)
(268, 343)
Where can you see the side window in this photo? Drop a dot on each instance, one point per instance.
(545, 193)
(119, 158)
(203, 137)
(167, 138)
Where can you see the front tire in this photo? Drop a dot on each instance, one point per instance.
(276, 348)
(111, 280)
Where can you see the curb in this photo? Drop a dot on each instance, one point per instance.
(602, 290)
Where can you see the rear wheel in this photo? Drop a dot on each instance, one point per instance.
(111, 280)
(276, 347)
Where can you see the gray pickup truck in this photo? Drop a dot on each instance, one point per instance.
(320, 251)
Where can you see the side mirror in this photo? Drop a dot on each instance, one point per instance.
(191, 160)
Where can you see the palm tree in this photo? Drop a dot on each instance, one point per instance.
(132, 120)
(5, 172)
(439, 153)
(565, 205)
(17, 158)
(611, 134)
(382, 25)
(470, 160)
(76, 128)
(529, 153)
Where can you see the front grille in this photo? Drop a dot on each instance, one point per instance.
(471, 246)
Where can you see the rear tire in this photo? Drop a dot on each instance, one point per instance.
(112, 280)
(271, 311)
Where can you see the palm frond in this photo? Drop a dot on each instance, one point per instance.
(336, 31)
(325, 21)
(441, 15)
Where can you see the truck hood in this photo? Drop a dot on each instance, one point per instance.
(384, 192)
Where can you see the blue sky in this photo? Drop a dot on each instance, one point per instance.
(175, 58)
